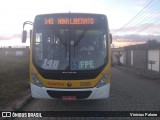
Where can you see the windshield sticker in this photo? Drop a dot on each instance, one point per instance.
(83, 65)
(75, 65)
(50, 64)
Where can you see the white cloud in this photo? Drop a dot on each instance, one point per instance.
(15, 12)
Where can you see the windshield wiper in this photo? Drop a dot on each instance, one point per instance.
(80, 37)
(61, 38)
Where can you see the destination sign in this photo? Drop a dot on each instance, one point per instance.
(70, 21)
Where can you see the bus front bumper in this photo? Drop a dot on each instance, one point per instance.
(58, 93)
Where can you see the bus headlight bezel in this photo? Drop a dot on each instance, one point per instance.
(36, 80)
(102, 82)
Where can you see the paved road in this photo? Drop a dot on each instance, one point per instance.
(128, 93)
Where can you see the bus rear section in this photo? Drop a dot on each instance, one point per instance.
(70, 57)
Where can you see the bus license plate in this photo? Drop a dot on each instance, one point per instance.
(69, 98)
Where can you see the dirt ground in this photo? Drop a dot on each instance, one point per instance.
(14, 78)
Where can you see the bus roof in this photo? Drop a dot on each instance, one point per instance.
(92, 14)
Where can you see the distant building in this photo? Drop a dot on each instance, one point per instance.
(117, 56)
(14, 51)
(146, 56)
(143, 59)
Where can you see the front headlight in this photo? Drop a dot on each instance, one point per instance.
(36, 80)
(102, 82)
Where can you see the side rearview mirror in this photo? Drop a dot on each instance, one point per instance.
(110, 35)
(24, 36)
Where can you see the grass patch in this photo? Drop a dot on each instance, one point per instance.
(14, 78)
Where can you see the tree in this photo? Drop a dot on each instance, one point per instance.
(152, 43)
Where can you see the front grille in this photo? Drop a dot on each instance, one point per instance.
(59, 94)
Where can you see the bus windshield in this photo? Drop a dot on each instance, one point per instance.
(70, 49)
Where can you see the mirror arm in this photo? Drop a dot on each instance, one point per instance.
(24, 33)
(27, 22)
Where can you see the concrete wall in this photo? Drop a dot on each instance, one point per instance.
(128, 58)
(20, 53)
(137, 59)
(154, 55)
(124, 57)
(140, 58)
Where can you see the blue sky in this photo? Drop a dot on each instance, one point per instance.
(119, 12)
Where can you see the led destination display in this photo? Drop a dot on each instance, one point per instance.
(68, 21)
